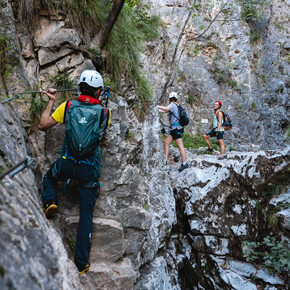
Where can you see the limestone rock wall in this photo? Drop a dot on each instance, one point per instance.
(224, 202)
(33, 254)
(154, 229)
(243, 64)
(151, 229)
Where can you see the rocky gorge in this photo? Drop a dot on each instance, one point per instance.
(158, 229)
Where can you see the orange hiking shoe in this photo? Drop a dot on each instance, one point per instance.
(50, 209)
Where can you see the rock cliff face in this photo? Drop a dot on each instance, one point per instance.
(33, 254)
(245, 64)
(242, 64)
(151, 229)
(156, 229)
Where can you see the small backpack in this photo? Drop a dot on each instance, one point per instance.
(183, 118)
(82, 130)
(227, 123)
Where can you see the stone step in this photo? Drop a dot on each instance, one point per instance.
(115, 276)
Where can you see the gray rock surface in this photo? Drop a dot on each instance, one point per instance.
(155, 229)
(33, 254)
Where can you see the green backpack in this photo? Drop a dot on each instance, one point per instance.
(82, 131)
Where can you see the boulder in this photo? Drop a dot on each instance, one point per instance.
(107, 239)
(106, 276)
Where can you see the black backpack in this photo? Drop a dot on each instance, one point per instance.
(183, 118)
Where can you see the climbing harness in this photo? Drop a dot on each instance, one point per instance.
(164, 126)
(27, 161)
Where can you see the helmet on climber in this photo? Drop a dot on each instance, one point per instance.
(91, 81)
(173, 95)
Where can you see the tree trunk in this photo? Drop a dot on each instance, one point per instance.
(101, 38)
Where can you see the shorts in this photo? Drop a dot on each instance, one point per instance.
(218, 135)
(176, 133)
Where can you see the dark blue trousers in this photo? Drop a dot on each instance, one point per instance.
(87, 176)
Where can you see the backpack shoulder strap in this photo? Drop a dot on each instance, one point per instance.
(174, 114)
(223, 115)
(67, 105)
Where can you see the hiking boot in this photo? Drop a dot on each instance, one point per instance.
(183, 166)
(50, 209)
(83, 268)
(210, 150)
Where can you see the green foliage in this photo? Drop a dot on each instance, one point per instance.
(87, 15)
(146, 207)
(232, 148)
(94, 52)
(149, 26)
(120, 56)
(125, 43)
(130, 135)
(143, 87)
(251, 9)
(288, 135)
(273, 222)
(212, 44)
(233, 84)
(7, 63)
(255, 36)
(219, 76)
(254, 106)
(62, 81)
(195, 141)
(191, 99)
(250, 251)
(37, 106)
(72, 244)
(275, 253)
(278, 256)
(196, 49)
(273, 190)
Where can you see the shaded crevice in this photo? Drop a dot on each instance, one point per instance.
(198, 269)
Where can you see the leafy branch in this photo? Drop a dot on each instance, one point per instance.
(274, 253)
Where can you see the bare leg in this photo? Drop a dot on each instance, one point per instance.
(206, 139)
(222, 145)
(167, 142)
(180, 146)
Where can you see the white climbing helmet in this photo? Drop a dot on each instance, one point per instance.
(92, 78)
(173, 95)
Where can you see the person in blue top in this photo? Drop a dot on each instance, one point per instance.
(176, 130)
(217, 129)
